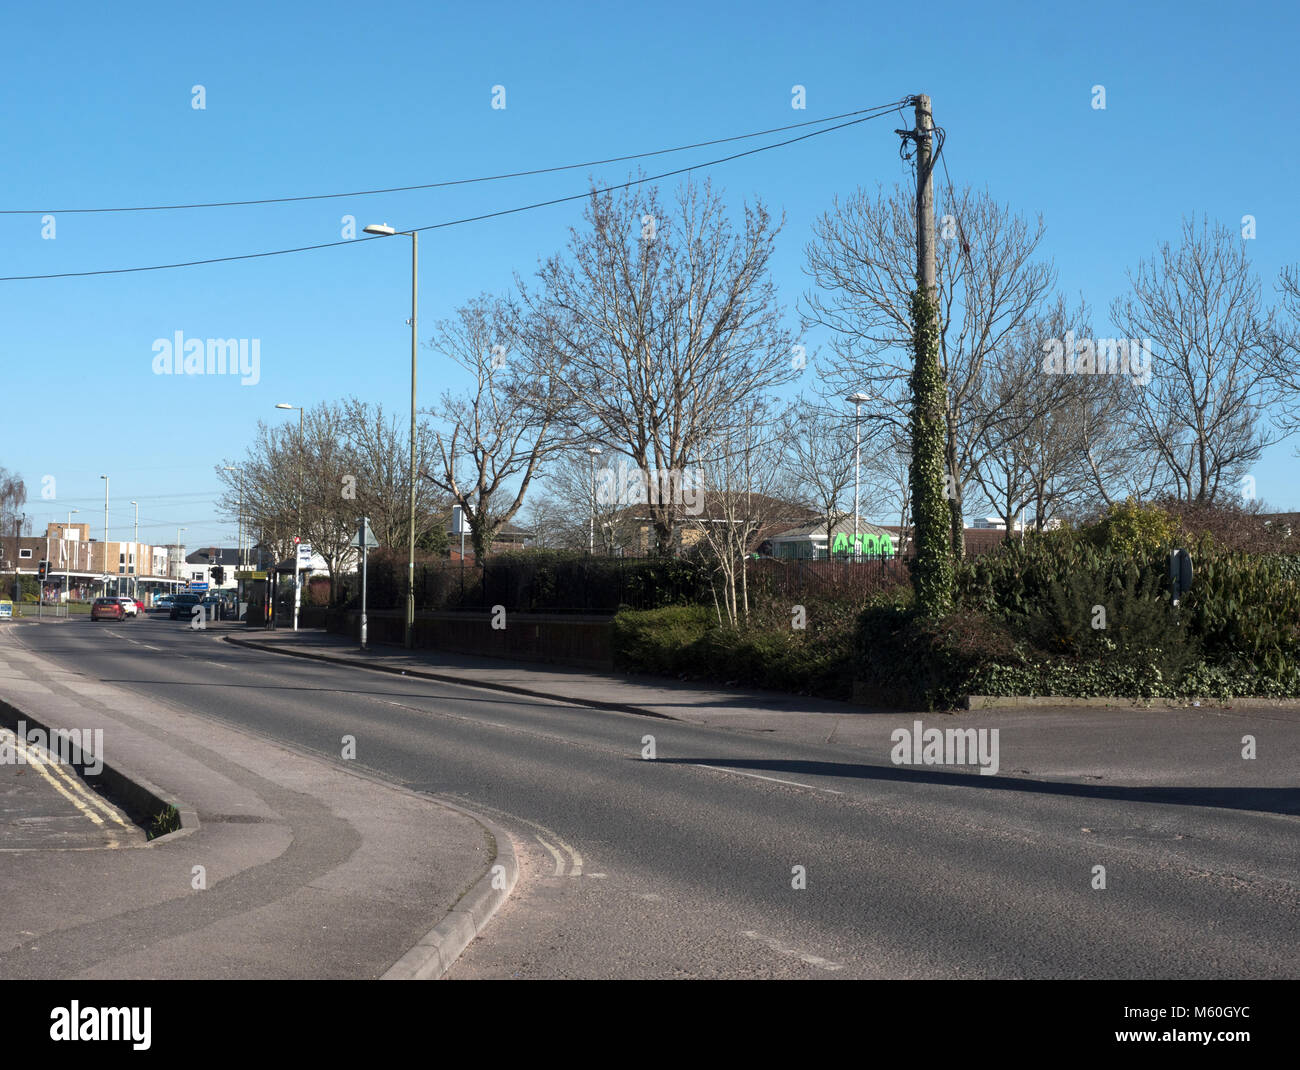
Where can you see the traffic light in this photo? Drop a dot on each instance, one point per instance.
(43, 570)
(218, 575)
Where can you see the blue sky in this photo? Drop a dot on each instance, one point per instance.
(326, 97)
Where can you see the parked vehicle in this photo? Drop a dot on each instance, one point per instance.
(107, 609)
(182, 607)
(129, 606)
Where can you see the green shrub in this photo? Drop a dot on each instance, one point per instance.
(1245, 609)
(661, 640)
(1133, 529)
(1237, 631)
(904, 657)
(768, 653)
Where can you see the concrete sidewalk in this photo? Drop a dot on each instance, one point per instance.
(1118, 744)
(296, 867)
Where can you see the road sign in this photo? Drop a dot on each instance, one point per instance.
(364, 536)
(198, 586)
(304, 553)
(6, 608)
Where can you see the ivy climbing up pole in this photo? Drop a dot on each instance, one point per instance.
(932, 573)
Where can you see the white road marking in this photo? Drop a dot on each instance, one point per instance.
(780, 948)
(559, 858)
(577, 858)
(773, 779)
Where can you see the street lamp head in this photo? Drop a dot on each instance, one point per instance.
(858, 399)
(133, 503)
(380, 228)
(594, 450)
(284, 405)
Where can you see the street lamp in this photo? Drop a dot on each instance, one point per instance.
(64, 553)
(105, 479)
(180, 563)
(857, 401)
(297, 589)
(286, 405)
(135, 552)
(595, 452)
(239, 545)
(384, 230)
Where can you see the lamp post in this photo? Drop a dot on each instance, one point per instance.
(595, 452)
(297, 589)
(239, 537)
(384, 230)
(180, 562)
(105, 479)
(19, 520)
(286, 405)
(135, 552)
(857, 401)
(67, 597)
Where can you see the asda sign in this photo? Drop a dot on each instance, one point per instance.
(862, 543)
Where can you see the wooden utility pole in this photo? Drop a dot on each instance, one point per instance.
(925, 254)
(931, 512)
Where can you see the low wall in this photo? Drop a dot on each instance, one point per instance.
(564, 639)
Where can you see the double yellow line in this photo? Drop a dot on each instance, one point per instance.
(71, 787)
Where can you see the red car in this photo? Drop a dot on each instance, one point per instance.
(107, 609)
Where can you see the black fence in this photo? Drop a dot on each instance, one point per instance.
(537, 583)
(836, 578)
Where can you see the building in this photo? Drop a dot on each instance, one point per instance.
(809, 541)
(510, 538)
(85, 567)
(199, 565)
(773, 517)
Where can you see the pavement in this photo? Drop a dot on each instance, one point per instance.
(44, 803)
(289, 865)
(1125, 744)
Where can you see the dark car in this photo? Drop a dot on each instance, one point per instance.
(183, 606)
(107, 609)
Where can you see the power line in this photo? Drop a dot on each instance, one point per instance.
(452, 182)
(952, 196)
(457, 222)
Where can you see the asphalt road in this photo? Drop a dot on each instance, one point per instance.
(666, 868)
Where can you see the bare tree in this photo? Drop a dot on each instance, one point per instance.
(1032, 453)
(1285, 350)
(582, 489)
(862, 260)
(493, 436)
(887, 479)
(267, 482)
(820, 454)
(549, 523)
(1212, 376)
(743, 492)
(330, 515)
(667, 323)
(13, 496)
(379, 446)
